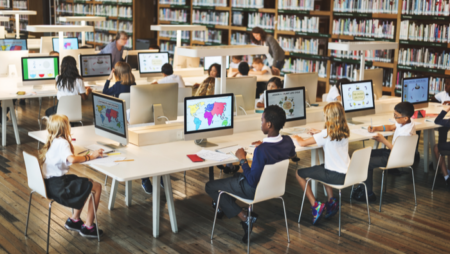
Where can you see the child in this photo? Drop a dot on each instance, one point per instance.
(213, 72)
(334, 140)
(53, 53)
(243, 70)
(273, 84)
(379, 158)
(259, 68)
(443, 145)
(169, 77)
(234, 65)
(69, 190)
(335, 91)
(207, 87)
(444, 96)
(69, 82)
(124, 80)
(273, 149)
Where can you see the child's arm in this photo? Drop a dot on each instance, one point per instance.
(390, 127)
(254, 73)
(440, 118)
(82, 158)
(380, 138)
(260, 105)
(304, 142)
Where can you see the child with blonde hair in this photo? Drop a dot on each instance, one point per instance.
(334, 140)
(66, 189)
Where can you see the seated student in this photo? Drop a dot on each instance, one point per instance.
(213, 72)
(273, 84)
(273, 149)
(335, 91)
(243, 70)
(334, 140)
(169, 77)
(379, 158)
(69, 82)
(207, 87)
(443, 145)
(53, 53)
(67, 189)
(235, 61)
(259, 68)
(124, 80)
(444, 96)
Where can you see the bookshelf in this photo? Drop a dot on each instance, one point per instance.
(24, 20)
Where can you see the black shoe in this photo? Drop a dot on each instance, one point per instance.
(231, 170)
(74, 226)
(357, 191)
(221, 167)
(395, 172)
(22, 102)
(220, 213)
(245, 227)
(90, 233)
(362, 197)
(147, 186)
(295, 159)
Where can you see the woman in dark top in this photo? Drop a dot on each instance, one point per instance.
(260, 37)
(443, 145)
(124, 79)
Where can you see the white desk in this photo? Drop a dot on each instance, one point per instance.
(83, 21)
(17, 18)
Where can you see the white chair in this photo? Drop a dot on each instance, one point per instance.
(71, 107)
(36, 184)
(441, 154)
(402, 156)
(356, 174)
(126, 98)
(271, 185)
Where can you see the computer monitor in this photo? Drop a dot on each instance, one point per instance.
(13, 59)
(70, 43)
(207, 117)
(151, 63)
(244, 90)
(292, 101)
(75, 53)
(13, 44)
(357, 99)
(131, 57)
(95, 67)
(307, 80)
(153, 103)
(416, 91)
(39, 70)
(210, 60)
(376, 75)
(109, 118)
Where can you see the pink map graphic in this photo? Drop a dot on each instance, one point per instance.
(111, 113)
(216, 109)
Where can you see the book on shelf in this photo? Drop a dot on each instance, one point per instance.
(105, 10)
(424, 57)
(307, 5)
(211, 35)
(426, 7)
(176, 2)
(238, 17)
(221, 3)
(385, 56)
(238, 38)
(297, 65)
(299, 45)
(433, 32)
(210, 17)
(263, 20)
(178, 15)
(247, 3)
(366, 6)
(374, 28)
(298, 24)
(173, 34)
(436, 84)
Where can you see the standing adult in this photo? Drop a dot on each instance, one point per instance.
(276, 53)
(115, 48)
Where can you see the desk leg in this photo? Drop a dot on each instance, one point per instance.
(375, 145)
(4, 123)
(113, 193)
(156, 205)
(170, 204)
(12, 111)
(432, 137)
(426, 149)
(316, 159)
(211, 173)
(39, 115)
(128, 193)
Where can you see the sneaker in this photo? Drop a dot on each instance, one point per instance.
(147, 186)
(74, 226)
(332, 207)
(295, 159)
(362, 197)
(90, 233)
(220, 213)
(317, 212)
(231, 170)
(357, 190)
(245, 227)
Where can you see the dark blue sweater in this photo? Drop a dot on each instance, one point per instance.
(441, 121)
(116, 89)
(267, 154)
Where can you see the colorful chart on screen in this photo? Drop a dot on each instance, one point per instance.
(415, 90)
(208, 113)
(11, 45)
(40, 68)
(291, 101)
(152, 62)
(95, 65)
(109, 115)
(356, 96)
(68, 44)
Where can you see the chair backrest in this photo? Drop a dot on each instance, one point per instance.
(272, 182)
(126, 98)
(71, 107)
(324, 97)
(402, 154)
(34, 174)
(359, 165)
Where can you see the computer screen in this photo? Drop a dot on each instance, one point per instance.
(132, 60)
(208, 113)
(109, 114)
(152, 62)
(415, 90)
(209, 60)
(40, 68)
(13, 44)
(95, 65)
(69, 43)
(291, 100)
(357, 96)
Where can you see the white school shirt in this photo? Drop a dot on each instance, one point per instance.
(78, 88)
(336, 152)
(333, 94)
(172, 79)
(261, 98)
(234, 65)
(408, 129)
(442, 96)
(56, 163)
(266, 68)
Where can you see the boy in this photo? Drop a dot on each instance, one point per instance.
(169, 77)
(259, 68)
(379, 158)
(273, 84)
(444, 96)
(443, 145)
(243, 70)
(235, 61)
(273, 149)
(53, 53)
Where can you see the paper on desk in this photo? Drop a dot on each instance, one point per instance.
(95, 147)
(229, 149)
(366, 133)
(106, 161)
(214, 156)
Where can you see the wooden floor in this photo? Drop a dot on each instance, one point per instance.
(399, 228)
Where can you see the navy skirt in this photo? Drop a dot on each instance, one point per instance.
(69, 190)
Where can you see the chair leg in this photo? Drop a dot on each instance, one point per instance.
(381, 192)
(414, 186)
(339, 212)
(285, 219)
(95, 215)
(367, 201)
(351, 194)
(106, 180)
(303, 201)
(49, 220)
(435, 174)
(28, 215)
(249, 221)
(325, 191)
(215, 215)
(185, 176)
(81, 123)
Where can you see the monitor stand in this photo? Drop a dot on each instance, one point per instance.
(112, 146)
(351, 122)
(240, 106)
(204, 143)
(158, 115)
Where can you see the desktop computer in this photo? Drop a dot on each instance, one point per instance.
(208, 117)
(292, 101)
(11, 62)
(307, 80)
(13, 44)
(39, 70)
(69, 43)
(131, 57)
(244, 90)
(153, 103)
(357, 99)
(109, 118)
(75, 53)
(95, 67)
(151, 63)
(210, 60)
(416, 91)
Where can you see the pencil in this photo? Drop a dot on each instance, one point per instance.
(125, 160)
(83, 151)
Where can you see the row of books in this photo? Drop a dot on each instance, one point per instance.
(75, 8)
(350, 71)
(4, 3)
(20, 5)
(436, 84)
(110, 1)
(105, 10)
(210, 17)
(298, 24)
(110, 25)
(297, 65)
(299, 45)
(366, 6)
(365, 28)
(426, 7)
(296, 5)
(238, 38)
(385, 56)
(221, 3)
(248, 3)
(424, 57)
(179, 2)
(424, 32)
(210, 35)
(104, 38)
(169, 46)
(263, 20)
(173, 34)
(173, 15)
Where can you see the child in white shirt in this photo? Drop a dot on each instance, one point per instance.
(169, 77)
(259, 68)
(444, 96)
(234, 65)
(273, 84)
(335, 91)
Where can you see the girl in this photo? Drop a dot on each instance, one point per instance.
(335, 91)
(69, 190)
(68, 83)
(276, 54)
(124, 79)
(207, 86)
(273, 84)
(334, 140)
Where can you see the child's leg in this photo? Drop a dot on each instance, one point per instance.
(309, 193)
(441, 161)
(97, 190)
